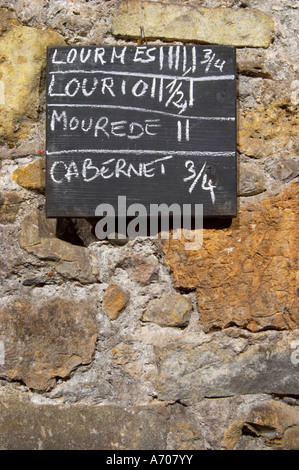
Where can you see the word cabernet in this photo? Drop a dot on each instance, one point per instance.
(61, 171)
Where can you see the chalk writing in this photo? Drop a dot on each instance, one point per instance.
(62, 171)
(180, 58)
(207, 183)
(150, 121)
(211, 59)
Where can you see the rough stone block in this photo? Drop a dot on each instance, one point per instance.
(268, 129)
(245, 274)
(26, 426)
(244, 27)
(114, 301)
(31, 176)
(142, 269)
(38, 236)
(9, 207)
(251, 180)
(46, 339)
(276, 423)
(169, 310)
(189, 372)
(22, 58)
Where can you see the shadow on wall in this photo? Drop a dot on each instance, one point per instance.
(82, 232)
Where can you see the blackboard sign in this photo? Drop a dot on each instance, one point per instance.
(156, 124)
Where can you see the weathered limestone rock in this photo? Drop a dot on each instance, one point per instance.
(143, 269)
(38, 237)
(185, 23)
(276, 423)
(267, 130)
(227, 367)
(226, 422)
(9, 207)
(45, 339)
(35, 227)
(253, 422)
(31, 176)
(245, 275)
(28, 426)
(252, 62)
(169, 310)
(22, 58)
(251, 180)
(114, 301)
(285, 169)
(185, 431)
(138, 363)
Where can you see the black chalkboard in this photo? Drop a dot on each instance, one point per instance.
(156, 124)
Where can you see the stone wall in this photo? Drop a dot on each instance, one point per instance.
(140, 344)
